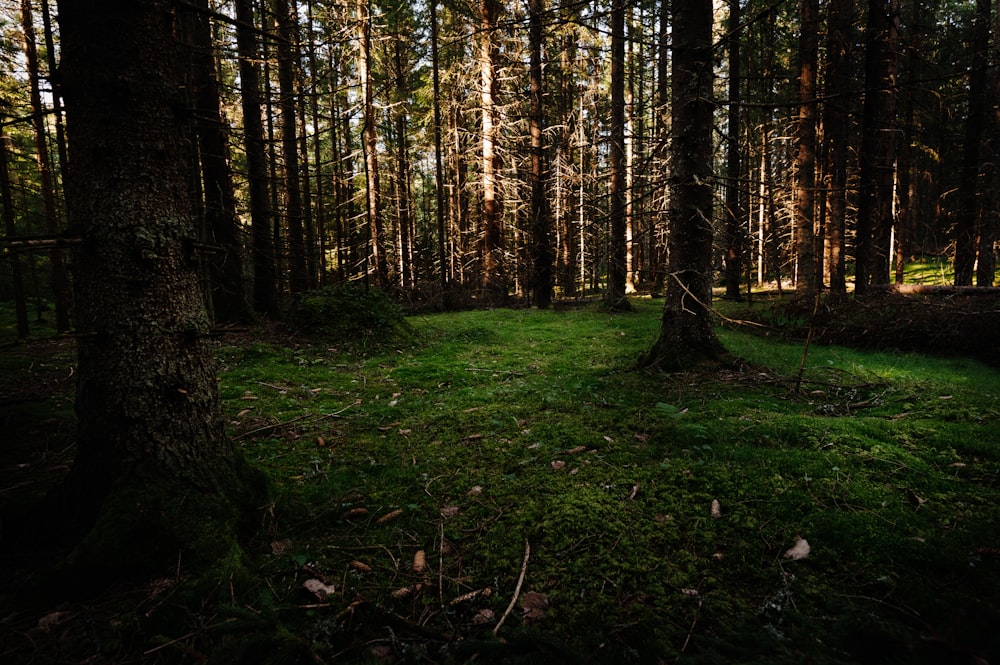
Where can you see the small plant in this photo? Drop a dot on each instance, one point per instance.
(349, 313)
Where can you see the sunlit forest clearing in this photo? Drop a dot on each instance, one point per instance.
(510, 467)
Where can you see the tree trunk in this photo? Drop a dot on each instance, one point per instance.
(687, 336)
(154, 466)
(222, 226)
(990, 221)
(265, 281)
(617, 268)
(376, 231)
(438, 165)
(805, 158)
(494, 270)
(735, 235)
(17, 276)
(298, 272)
(541, 222)
(60, 279)
(970, 188)
(835, 119)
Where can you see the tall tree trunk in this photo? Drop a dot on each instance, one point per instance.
(660, 153)
(265, 281)
(286, 45)
(686, 333)
(17, 276)
(376, 230)
(735, 234)
(617, 268)
(438, 166)
(875, 209)
(227, 293)
(835, 127)
(60, 278)
(541, 222)
(404, 204)
(805, 158)
(154, 466)
(969, 188)
(990, 220)
(494, 270)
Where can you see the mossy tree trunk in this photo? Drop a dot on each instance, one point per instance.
(687, 335)
(155, 474)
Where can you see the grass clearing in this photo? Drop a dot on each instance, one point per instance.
(657, 508)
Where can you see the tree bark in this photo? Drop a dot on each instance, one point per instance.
(805, 158)
(617, 268)
(60, 278)
(541, 222)
(376, 230)
(735, 237)
(835, 119)
(494, 269)
(154, 467)
(265, 280)
(687, 336)
(17, 275)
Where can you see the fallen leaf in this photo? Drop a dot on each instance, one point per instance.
(360, 566)
(558, 464)
(634, 492)
(279, 546)
(243, 413)
(800, 550)
(405, 432)
(449, 511)
(318, 588)
(689, 592)
(320, 442)
(534, 605)
(419, 562)
(476, 490)
(483, 616)
(716, 508)
(609, 439)
(642, 438)
(575, 450)
(473, 437)
(915, 498)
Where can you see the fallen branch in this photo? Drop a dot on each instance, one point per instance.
(517, 589)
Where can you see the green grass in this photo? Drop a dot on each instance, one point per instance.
(499, 427)
(493, 429)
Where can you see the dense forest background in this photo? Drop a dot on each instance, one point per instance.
(479, 152)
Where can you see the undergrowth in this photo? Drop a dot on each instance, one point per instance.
(514, 459)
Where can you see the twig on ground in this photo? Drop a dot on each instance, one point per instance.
(517, 589)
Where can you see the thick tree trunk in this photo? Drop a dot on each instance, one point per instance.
(154, 466)
(687, 336)
(376, 231)
(14, 259)
(438, 156)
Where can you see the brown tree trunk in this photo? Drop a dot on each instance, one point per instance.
(835, 118)
(735, 236)
(228, 297)
(805, 158)
(265, 281)
(494, 269)
(541, 222)
(286, 44)
(990, 220)
(617, 268)
(60, 278)
(376, 230)
(17, 276)
(687, 336)
(153, 465)
(438, 156)
(970, 188)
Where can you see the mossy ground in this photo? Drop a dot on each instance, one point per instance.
(483, 431)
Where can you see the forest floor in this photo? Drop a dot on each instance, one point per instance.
(502, 486)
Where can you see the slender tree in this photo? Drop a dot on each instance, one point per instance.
(835, 128)
(376, 230)
(60, 278)
(970, 187)
(494, 270)
(734, 235)
(617, 268)
(541, 222)
(687, 335)
(439, 183)
(16, 269)
(805, 157)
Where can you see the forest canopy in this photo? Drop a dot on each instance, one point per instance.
(459, 153)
